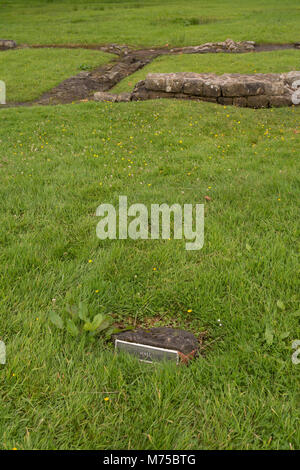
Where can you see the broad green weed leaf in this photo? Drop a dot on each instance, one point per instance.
(88, 326)
(105, 324)
(285, 335)
(83, 312)
(56, 320)
(269, 335)
(72, 310)
(280, 305)
(97, 320)
(71, 327)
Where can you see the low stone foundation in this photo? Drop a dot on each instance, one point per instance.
(7, 44)
(214, 47)
(253, 91)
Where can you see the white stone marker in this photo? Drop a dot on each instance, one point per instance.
(2, 353)
(2, 92)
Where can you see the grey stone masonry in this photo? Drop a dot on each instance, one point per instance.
(246, 90)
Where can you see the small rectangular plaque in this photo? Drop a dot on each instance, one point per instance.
(146, 353)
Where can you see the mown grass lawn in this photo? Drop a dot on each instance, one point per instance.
(262, 62)
(149, 23)
(28, 73)
(57, 165)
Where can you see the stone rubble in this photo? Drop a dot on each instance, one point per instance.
(214, 47)
(114, 98)
(7, 44)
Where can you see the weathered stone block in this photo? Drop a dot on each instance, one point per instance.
(183, 96)
(260, 101)
(174, 84)
(211, 89)
(193, 86)
(208, 99)
(240, 101)
(225, 101)
(140, 91)
(242, 88)
(278, 101)
(275, 88)
(124, 97)
(103, 96)
(156, 81)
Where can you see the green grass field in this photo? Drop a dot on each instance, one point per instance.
(30, 72)
(58, 163)
(150, 22)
